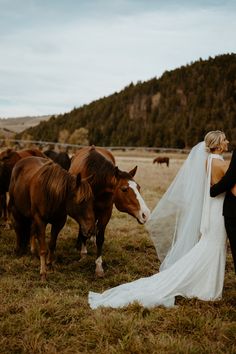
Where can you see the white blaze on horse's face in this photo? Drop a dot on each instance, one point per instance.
(144, 212)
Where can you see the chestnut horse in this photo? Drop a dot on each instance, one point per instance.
(162, 159)
(8, 159)
(110, 185)
(42, 192)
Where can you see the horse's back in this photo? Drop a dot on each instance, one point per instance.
(106, 153)
(30, 152)
(79, 161)
(23, 173)
(25, 168)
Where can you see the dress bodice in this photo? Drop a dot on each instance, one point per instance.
(216, 156)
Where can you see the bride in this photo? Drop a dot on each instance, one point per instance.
(193, 256)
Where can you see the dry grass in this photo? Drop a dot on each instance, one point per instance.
(55, 317)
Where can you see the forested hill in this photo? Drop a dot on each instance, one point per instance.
(175, 110)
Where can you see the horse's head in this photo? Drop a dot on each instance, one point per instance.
(80, 207)
(127, 196)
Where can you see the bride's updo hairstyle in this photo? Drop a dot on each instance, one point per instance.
(213, 140)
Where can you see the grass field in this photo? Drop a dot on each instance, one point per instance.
(55, 317)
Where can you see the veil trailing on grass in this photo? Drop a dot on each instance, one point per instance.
(175, 223)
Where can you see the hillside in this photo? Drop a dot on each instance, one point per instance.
(17, 125)
(175, 110)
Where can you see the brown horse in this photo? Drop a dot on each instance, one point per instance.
(42, 192)
(8, 159)
(162, 159)
(110, 185)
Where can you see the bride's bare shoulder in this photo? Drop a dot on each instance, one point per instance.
(220, 165)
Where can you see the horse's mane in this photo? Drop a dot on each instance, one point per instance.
(102, 170)
(58, 184)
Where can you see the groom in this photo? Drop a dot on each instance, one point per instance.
(229, 207)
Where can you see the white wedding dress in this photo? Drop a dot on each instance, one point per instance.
(198, 272)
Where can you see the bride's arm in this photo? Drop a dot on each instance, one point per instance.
(227, 181)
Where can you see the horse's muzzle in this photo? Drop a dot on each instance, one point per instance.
(143, 216)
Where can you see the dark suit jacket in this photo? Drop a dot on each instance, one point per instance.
(224, 185)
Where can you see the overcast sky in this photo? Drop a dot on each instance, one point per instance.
(60, 54)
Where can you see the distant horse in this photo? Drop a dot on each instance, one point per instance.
(62, 158)
(110, 185)
(8, 159)
(42, 192)
(161, 160)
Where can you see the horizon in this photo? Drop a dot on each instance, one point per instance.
(96, 99)
(60, 57)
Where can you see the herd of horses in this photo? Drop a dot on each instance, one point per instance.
(85, 187)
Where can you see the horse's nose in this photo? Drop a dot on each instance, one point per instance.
(145, 215)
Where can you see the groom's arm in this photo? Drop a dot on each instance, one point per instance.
(227, 181)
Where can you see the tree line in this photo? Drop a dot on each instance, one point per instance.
(175, 110)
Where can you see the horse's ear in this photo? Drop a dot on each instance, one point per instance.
(133, 171)
(78, 180)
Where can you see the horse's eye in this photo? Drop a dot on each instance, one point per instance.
(124, 188)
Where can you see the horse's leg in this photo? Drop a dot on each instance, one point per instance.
(5, 210)
(21, 235)
(33, 248)
(38, 229)
(81, 244)
(101, 226)
(56, 228)
(5, 207)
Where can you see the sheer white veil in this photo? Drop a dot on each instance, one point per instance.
(174, 224)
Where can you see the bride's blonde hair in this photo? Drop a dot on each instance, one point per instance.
(213, 140)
